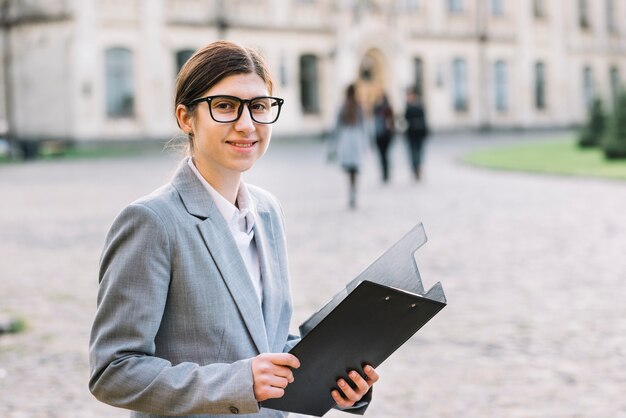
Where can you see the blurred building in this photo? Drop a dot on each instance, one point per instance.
(105, 69)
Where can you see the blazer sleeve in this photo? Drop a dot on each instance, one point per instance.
(134, 280)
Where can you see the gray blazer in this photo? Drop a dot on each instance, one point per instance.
(178, 320)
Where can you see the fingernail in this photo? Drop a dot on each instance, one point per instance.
(368, 368)
(342, 383)
(353, 374)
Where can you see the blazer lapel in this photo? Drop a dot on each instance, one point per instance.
(223, 249)
(270, 271)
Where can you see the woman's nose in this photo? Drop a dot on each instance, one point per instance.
(245, 122)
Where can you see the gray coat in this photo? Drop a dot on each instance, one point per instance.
(178, 320)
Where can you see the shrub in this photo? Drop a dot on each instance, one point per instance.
(592, 133)
(614, 142)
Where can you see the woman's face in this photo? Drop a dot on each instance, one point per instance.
(224, 151)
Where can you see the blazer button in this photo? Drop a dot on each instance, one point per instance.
(234, 410)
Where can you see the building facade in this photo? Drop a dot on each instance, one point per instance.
(105, 69)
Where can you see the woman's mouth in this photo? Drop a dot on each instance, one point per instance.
(240, 144)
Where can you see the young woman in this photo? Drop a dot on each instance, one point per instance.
(351, 137)
(194, 301)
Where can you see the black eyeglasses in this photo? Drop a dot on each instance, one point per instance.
(226, 109)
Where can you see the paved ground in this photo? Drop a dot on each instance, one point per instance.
(533, 267)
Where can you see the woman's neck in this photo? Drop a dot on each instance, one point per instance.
(225, 183)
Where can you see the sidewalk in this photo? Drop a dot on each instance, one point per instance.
(532, 266)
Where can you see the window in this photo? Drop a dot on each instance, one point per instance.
(182, 57)
(418, 68)
(583, 14)
(120, 90)
(497, 7)
(616, 84)
(587, 87)
(282, 72)
(455, 6)
(459, 85)
(501, 86)
(309, 84)
(539, 10)
(412, 5)
(540, 85)
(611, 25)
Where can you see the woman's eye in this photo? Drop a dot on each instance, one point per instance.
(223, 106)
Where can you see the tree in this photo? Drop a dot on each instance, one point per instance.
(614, 142)
(592, 133)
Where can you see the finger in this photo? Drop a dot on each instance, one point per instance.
(340, 400)
(361, 384)
(348, 392)
(285, 359)
(279, 382)
(371, 374)
(284, 372)
(271, 392)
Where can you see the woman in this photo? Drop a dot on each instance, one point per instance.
(194, 302)
(351, 139)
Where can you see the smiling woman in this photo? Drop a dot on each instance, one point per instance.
(194, 302)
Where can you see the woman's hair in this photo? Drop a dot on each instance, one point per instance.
(211, 64)
(350, 112)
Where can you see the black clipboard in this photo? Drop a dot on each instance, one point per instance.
(363, 324)
(370, 324)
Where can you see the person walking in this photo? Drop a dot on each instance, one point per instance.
(351, 137)
(384, 130)
(417, 130)
(194, 298)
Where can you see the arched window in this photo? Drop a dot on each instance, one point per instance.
(459, 85)
(182, 57)
(309, 84)
(501, 86)
(120, 89)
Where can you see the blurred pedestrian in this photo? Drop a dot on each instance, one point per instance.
(194, 303)
(351, 136)
(383, 131)
(417, 130)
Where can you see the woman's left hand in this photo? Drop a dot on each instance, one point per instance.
(351, 396)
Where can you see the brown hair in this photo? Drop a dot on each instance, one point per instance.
(211, 64)
(351, 108)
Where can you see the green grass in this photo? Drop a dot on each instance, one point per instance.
(560, 156)
(113, 151)
(95, 152)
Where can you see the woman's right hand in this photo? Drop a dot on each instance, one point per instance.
(272, 373)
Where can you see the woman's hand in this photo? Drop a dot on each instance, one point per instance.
(271, 373)
(351, 396)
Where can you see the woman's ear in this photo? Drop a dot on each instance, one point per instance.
(184, 118)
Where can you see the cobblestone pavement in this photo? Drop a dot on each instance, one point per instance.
(532, 267)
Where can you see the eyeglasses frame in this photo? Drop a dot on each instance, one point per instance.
(242, 102)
